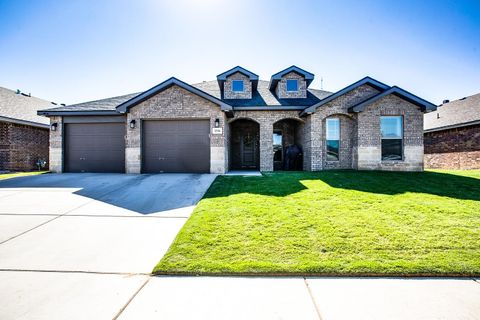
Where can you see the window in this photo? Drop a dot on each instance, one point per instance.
(277, 145)
(237, 85)
(292, 85)
(333, 139)
(392, 137)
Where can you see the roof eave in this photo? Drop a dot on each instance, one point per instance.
(48, 113)
(452, 126)
(424, 105)
(24, 122)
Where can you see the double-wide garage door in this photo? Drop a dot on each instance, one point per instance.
(176, 146)
(94, 147)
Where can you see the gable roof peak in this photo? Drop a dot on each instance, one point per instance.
(279, 75)
(125, 106)
(224, 75)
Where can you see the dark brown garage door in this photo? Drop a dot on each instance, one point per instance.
(176, 146)
(95, 147)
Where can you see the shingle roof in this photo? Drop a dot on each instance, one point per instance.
(108, 104)
(22, 108)
(263, 96)
(453, 114)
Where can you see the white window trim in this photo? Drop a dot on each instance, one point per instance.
(243, 86)
(286, 85)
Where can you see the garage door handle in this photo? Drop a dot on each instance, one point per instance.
(83, 158)
(162, 158)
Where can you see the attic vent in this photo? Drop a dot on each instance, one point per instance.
(18, 91)
(63, 104)
(463, 98)
(446, 101)
(438, 115)
(53, 103)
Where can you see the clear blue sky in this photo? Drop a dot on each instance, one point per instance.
(74, 51)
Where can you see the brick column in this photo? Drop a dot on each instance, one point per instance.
(266, 146)
(133, 158)
(56, 146)
(316, 143)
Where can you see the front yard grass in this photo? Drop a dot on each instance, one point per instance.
(4, 176)
(333, 222)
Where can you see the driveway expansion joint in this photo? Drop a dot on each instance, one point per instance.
(315, 305)
(131, 299)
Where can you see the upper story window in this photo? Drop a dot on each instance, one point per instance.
(392, 137)
(333, 139)
(292, 85)
(237, 86)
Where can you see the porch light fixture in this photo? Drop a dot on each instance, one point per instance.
(54, 126)
(132, 124)
(217, 123)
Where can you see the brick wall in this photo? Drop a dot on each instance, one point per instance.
(21, 146)
(349, 130)
(369, 136)
(457, 148)
(247, 87)
(177, 103)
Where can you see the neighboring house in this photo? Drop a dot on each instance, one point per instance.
(23, 133)
(452, 135)
(241, 122)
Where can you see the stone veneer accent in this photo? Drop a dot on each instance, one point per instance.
(176, 103)
(457, 148)
(247, 87)
(21, 146)
(281, 88)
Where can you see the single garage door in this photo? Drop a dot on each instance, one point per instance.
(176, 146)
(95, 147)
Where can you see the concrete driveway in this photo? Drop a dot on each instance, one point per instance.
(86, 241)
(81, 246)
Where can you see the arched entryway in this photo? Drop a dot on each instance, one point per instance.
(244, 145)
(288, 140)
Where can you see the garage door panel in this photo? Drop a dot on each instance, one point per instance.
(176, 146)
(95, 147)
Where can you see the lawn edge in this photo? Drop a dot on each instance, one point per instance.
(317, 274)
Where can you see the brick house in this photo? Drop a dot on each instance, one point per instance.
(452, 135)
(240, 122)
(24, 135)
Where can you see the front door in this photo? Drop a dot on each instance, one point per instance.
(244, 145)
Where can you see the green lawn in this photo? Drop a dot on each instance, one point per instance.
(20, 174)
(334, 222)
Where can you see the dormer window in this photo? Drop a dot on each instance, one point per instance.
(292, 85)
(237, 86)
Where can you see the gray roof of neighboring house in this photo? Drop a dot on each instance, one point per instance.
(22, 109)
(454, 114)
(261, 97)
